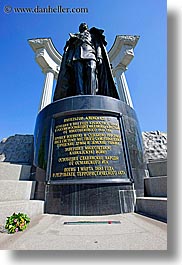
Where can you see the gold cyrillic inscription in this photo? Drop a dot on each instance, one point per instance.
(87, 144)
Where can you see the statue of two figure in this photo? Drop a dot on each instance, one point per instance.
(85, 67)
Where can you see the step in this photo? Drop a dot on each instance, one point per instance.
(30, 207)
(157, 168)
(156, 186)
(14, 171)
(153, 207)
(11, 190)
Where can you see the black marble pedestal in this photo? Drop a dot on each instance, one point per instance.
(89, 157)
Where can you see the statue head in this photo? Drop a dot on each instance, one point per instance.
(82, 27)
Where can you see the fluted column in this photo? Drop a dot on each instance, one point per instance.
(47, 89)
(126, 90)
(120, 55)
(49, 60)
(122, 85)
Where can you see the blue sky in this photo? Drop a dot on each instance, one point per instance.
(22, 79)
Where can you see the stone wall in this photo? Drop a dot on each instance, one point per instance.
(19, 148)
(155, 145)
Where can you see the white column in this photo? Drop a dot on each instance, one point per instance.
(126, 90)
(123, 89)
(47, 89)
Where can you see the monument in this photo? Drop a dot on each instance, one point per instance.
(88, 149)
(85, 68)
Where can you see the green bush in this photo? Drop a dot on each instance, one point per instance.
(17, 222)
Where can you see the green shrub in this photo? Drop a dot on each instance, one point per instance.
(17, 222)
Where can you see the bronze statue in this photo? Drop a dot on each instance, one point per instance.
(85, 67)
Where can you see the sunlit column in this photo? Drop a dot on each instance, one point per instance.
(47, 89)
(123, 89)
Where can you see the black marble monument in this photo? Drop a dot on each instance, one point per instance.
(87, 143)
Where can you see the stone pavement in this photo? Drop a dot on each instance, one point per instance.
(48, 232)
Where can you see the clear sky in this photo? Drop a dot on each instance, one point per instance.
(22, 79)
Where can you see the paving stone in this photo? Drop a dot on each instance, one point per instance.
(48, 232)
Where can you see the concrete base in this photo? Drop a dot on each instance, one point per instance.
(157, 168)
(156, 186)
(31, 208)
(15, 194)
(14, 171)
(16, 190)
(153, 207)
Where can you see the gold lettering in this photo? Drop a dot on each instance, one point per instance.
(87, 143)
